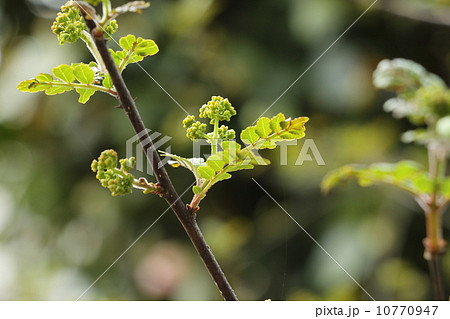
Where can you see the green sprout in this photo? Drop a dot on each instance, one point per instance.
(226, 154)
(424, 99)
(86, 79)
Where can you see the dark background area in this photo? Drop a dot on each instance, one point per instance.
(59, 230)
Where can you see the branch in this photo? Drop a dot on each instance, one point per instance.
(186, 217)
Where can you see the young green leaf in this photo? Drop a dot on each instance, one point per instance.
(128, 42)
(406, 175)
(85, 94)
(263, 127)
(84, 74)
(268, 131)
(206, 172)
(53, 90)
(64, 72)
(44, 77)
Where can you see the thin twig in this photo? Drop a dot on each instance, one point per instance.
(434, 264)
(434, 242)
(186, 217)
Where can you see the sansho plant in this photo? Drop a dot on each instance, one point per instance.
(80, 20)
(424, 99)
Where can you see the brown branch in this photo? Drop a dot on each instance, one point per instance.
(185, 216)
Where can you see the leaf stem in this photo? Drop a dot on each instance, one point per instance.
(106, 8)
(214, 139)
(83, 86)
(434, 242)
(185, 216)
(87, 38)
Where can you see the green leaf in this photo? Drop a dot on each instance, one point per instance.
(222, 177)
(134, 50)
(249, 136)
(206, 172)
(146, 47)
(231, 145)
(57, 90)
(266, 132)
(406, 175)
(403, 75)
(215, 162)
(44, 77)
(196, 189)
(84, 74)
(233, 168)
(275, 122)
(263, 127)
(85, 94)
(107, 82)
(64, 72)
(31, 86)
(127, 43)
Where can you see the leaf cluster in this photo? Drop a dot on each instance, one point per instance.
(227, 155)
(421, 96)
(424, 99)
(86, 79)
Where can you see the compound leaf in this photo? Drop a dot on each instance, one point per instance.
(406, 175)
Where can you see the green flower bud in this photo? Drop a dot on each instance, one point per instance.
(118, 181)
(226, 134)
(217, 109)
(69, 24)
(196, 131)
(127, 164)
(110, 29)
(188, 121)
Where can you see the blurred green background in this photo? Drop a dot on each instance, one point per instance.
(59, 230)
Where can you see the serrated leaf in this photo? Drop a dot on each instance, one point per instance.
(127, 43)
(215, 162)
(249, 136)
(64, 72)
(222, 177)
(146, 47)
(107, 82)
(44, 77)
(231, 145)
(263, 127)
(206, 172)
(32, 86)
(275, 122)
(406, 175)
(85, 94)
(84, 74)
(233, 168)
(57, 90)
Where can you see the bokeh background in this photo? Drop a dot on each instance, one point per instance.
(59, 230)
